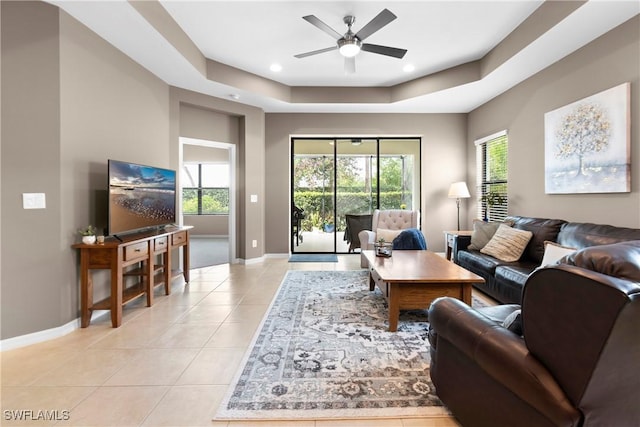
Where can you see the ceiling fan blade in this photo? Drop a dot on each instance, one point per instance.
(313, 20)
(375, 24)
(315, 52)
(383, 50)
(350, 65)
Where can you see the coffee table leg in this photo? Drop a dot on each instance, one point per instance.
(466, 293)
(394, 307)
(372, 283)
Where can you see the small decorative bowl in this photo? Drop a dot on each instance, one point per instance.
(88, 240)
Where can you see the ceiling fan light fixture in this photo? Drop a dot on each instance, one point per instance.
(349, 47)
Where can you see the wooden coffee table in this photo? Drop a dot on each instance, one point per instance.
(413, 279)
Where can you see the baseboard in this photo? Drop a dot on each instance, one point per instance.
(46, 335)
(276, 256)
(252, 260)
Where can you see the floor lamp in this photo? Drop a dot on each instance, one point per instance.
(459, 190)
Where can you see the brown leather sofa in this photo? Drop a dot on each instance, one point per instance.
(504, 281)
(576, 362)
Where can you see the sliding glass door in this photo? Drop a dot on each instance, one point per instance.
(336, 184)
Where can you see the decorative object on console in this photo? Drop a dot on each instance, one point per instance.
(88, 234)
(459, 190)
(587, 144)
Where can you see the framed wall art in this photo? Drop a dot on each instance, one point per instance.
(587, 144)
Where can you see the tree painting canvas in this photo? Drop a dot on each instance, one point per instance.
(587, 144)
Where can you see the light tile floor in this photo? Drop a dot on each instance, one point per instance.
(167, 365)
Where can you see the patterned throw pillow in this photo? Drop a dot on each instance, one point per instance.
(508, 243)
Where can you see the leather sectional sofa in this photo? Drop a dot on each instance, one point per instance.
(504, 281)
(572, 362)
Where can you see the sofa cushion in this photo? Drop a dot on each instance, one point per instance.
(476, 262)
(483, 231)
(618, 260)
(582, 235)
(553, 252)
(508, 243)
(543, 229)
(510, 279)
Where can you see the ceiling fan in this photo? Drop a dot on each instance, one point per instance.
(350, 44)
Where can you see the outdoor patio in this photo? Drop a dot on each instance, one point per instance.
(319, 241)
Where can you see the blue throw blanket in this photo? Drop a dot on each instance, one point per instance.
(410, 239)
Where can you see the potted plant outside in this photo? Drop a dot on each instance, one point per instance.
(88, 234)
(490, 199)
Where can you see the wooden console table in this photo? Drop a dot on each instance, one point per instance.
(115, 255)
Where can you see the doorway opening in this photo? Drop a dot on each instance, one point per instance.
(207, 198)
(337, 183)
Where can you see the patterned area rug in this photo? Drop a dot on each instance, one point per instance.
(323, 351)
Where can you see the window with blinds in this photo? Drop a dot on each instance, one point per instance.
(491, 179)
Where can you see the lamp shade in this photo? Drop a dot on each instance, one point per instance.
(459, 190)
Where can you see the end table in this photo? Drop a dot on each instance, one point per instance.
(450, 237)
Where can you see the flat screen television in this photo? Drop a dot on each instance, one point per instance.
(140, 197)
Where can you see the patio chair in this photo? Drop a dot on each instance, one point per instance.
(355, 224)
(296, 218)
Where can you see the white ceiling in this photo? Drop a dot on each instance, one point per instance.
(252, 35)
(437, 35)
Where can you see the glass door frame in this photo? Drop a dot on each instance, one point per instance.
(334, 141)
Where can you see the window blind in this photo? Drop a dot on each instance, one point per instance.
(491, 178)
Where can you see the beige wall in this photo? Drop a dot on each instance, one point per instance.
(75, 102)
(34, 272)
(111, 108)
(443, 149)
(607, 62)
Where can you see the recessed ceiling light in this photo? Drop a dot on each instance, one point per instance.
(234, 96)
(408, 68)
(275, 68)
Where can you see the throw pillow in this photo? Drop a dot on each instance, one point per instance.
(482, 232)
(508, 243)
(386, 234)
(553, 252)
(513, 322)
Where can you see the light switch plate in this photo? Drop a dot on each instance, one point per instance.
(254, 198)
(33, 201)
